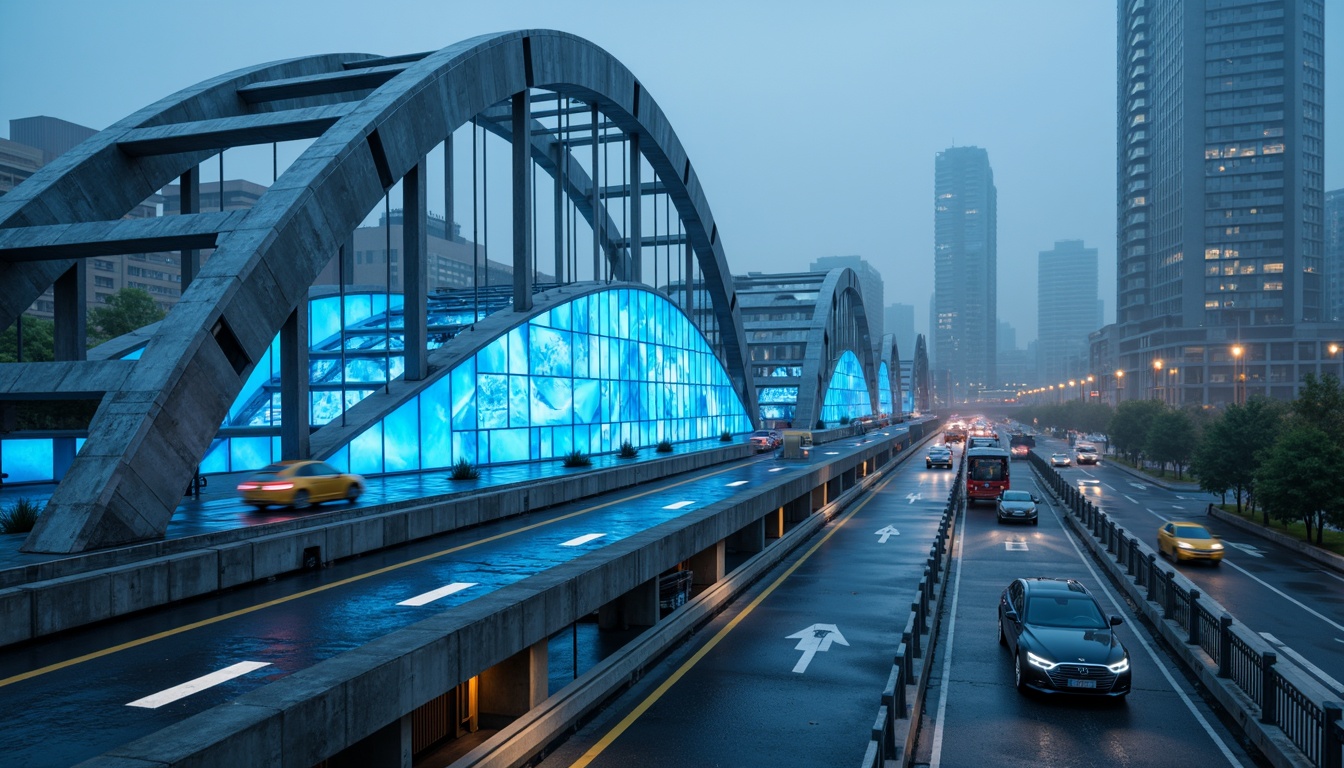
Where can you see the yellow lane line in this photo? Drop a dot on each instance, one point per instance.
(667, 684)
(386, 569)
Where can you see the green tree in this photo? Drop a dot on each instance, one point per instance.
(1320, 402)
(38, 341)
(1171, 439)
(1297, 479)
(1232, 449)
(129, 309)
(1128, 429)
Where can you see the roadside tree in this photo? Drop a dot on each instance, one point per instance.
(1297, 479)
(1128, 429)
(1171, 439)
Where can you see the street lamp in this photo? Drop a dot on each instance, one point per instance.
(1238, 375)
(1119, 384)
(1334, 350)
(1157, 374)
(1172, 394)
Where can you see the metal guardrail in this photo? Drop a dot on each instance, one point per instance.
(901, 701)
(1287, 699)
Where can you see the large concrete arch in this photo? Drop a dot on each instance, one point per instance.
(919, 377)
(891, 355)
(839, 324)
(373, 120)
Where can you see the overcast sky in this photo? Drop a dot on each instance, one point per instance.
(813, 126)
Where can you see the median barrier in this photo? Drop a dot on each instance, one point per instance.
(1289, 717)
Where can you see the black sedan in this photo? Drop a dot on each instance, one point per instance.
(1018, 506)
(1060, 640)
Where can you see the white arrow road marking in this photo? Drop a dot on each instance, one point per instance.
(814, 639)
(1131, 498)
(679, 504)
(199, 684)
(913, 497)
(441, 592)
(1140, 486)
(1015, 546)
(1249, 549)
(1154, 514)
(584, 539)
(1336, 625)
(886, 533)
(739, 482)
(1295, 656)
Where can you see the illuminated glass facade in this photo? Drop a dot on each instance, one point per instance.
(622, 364)
(847, 397)
(884, 388)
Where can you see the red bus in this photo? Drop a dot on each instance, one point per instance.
(986, 473)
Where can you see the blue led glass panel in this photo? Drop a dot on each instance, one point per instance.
(584, 375)
(27, 460)
(847, 395)
(248, 453)
(884, 388)
(217, 458)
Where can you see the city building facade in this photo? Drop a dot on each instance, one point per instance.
(899, 321)
(1066, 309)
(1221, 289)
(965, 271)
(1334, 254)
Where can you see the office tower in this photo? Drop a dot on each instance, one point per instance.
(1066, 309)
(872, 288)
(1334, 254)
(1220, 192)
(900, 322)
(965, 270)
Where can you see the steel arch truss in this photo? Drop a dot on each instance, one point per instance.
(891, 358)
(372, 121)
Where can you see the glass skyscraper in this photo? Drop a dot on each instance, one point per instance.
(965, 231)
(1220, 192)
(1066, 309)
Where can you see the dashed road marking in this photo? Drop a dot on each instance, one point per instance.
(584, 539)
(168, 696)
(440, 593)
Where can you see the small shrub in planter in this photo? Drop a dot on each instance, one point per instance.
(19, 517)
(664, 446)
(463, 470)
(726, 437)
(821, 424)
(628, 450)
(844, 421)
(577, 459)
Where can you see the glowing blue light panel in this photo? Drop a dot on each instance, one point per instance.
(847, 395)
(884, 388)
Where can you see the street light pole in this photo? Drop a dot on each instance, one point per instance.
(1238, 375)
(1119, 384)
(1157, 379)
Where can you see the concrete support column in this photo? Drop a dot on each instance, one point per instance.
(636, 234)
(636, 608)
(708, 565)
(189, 201)
(347, 257)
(797, 510)
(294, 377)
(389, 747)
(750, 539)
(415, 271)
(513, 686)
(71, 296)
(522, 202)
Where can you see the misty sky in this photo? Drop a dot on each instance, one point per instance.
(813, 126)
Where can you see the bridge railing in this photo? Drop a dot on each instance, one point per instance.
(1285, 712)
(902, 700)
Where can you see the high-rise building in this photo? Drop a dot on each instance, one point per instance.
(1007, 337)
(1066, 309)
(965, 224)
(900, 322)
(872, 287)
(1220, 288)
(1334, 254)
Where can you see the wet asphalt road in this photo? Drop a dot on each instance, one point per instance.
(746, 701)
(68, 698)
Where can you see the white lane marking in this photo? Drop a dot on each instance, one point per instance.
(832, 453)
(937, 751)
(739, 482)
(1285, 596)
(1249, 549)
(201, 683)
(436, 594)
(1333, 576)
(679, 504)
(1179, 496)
(1131, 498)
(1140, 486)
(813, 640)
(886, 533)
(584, 539)
(1154, 514)
(1178, 506)
(1015, 546)
(777, 469)
(1108, 485)
(1151, 653)
(1085, 472)
(1312, 668)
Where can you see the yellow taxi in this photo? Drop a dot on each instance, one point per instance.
(1183, 541)
(299, 484)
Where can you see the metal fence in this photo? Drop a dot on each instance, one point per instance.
(1286, 698)
(894, 726)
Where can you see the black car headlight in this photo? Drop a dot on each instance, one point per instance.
(1044, 663)
(1119, 666)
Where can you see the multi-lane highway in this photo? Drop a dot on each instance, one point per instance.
(977, 716)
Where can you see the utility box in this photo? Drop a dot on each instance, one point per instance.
(797, 444)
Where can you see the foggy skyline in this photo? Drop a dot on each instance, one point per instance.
(813, 129)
